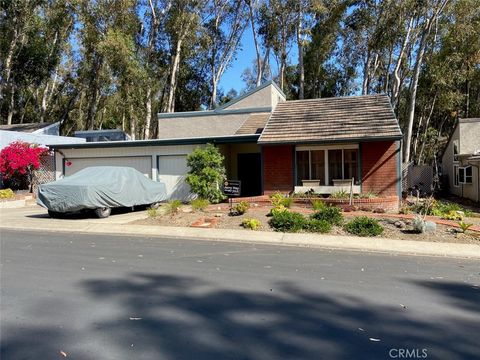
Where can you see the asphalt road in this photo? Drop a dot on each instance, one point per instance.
(109, 297)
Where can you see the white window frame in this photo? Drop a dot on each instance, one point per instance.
(310, 148)
(465, 179)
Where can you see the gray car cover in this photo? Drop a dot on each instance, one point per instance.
(99, 187)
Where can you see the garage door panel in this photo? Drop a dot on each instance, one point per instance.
(140, 163)
(172, 170)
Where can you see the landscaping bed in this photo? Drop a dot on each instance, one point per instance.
(185, 216)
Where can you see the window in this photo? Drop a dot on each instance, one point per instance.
(455, 175)
(326, 164)
(350, 164)
(318, 165)
(303, 166)
(455, 150)
(465, 175)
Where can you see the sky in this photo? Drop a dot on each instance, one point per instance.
(245, 57)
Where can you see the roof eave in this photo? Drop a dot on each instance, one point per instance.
(161, 142)
(330, 141)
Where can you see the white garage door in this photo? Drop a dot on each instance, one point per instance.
(172, 170)
(141, 163)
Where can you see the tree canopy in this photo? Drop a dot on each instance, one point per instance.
(96, 64)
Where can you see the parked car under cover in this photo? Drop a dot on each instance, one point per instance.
(100, 188)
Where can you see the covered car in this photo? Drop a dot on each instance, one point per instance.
(100, 188)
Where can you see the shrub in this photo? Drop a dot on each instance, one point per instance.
(287, 221)
(151, 212)
(364, 226)
(331, 214)
(17, 162)
(320, 226)
(7, 194)
(173, 207)
(241, 208)
(342, 194)
(252, 224)
(453, 215)
(278, 199)
(199, 204)
(367, 195)
(277, 210)
(207, 173)
(318, 205)
(464, 226)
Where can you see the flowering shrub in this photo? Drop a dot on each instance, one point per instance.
(18, 160)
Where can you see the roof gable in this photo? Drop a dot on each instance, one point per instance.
(266, 95)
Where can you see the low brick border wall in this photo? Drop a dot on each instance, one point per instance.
(387, 204)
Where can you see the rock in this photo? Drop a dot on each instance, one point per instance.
(218, 215)
(379, 210)
(430, 226)
(400, 224)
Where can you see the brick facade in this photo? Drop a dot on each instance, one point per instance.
(277, 168)
(380, 167)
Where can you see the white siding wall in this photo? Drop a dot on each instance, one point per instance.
(122, 151)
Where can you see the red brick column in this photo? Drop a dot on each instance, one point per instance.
(380, 167)
(277, 168)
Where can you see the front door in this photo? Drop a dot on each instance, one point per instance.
(249, 173)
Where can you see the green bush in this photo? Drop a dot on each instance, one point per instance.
(367, 195)
(318, 205)
(342, 194)
(287, 221)
(279, 199)
(331, 214)
(207, 173)
(364, 226)
(252, 224)
(7, 194)
(241, 208)
(452, 215)
(151, 212)
(199, 204)
(464, 226)
(320, 226)
(173, 207)
(277, 209)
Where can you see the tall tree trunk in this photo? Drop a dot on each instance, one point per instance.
(413, 89)
(8, 62)
(173, 76)
(11, 106)
(366, 72)
(301, 67)
(255, 42)
(148, 118)
(133, 123)
(396, 73)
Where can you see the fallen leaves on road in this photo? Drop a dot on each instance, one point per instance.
(403, 306)
(63, 353)
(135, 318)
(374, 339)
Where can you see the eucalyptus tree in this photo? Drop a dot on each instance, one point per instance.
(224, 28)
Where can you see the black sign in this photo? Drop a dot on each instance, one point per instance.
(232, 187)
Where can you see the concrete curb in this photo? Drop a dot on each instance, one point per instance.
(381, 245)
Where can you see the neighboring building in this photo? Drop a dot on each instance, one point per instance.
(102, 135)
(269, 144)
(461, 160)
(34, 128)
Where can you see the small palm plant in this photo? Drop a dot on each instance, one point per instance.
(464, 226)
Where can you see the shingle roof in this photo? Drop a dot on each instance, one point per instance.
(28, 127)
(254, 124)
(332, 119)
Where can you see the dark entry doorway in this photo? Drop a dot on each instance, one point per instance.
(250, 173)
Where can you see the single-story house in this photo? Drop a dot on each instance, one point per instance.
(461, 160)
(269, 144)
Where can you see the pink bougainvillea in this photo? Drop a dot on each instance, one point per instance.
(20, 158)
